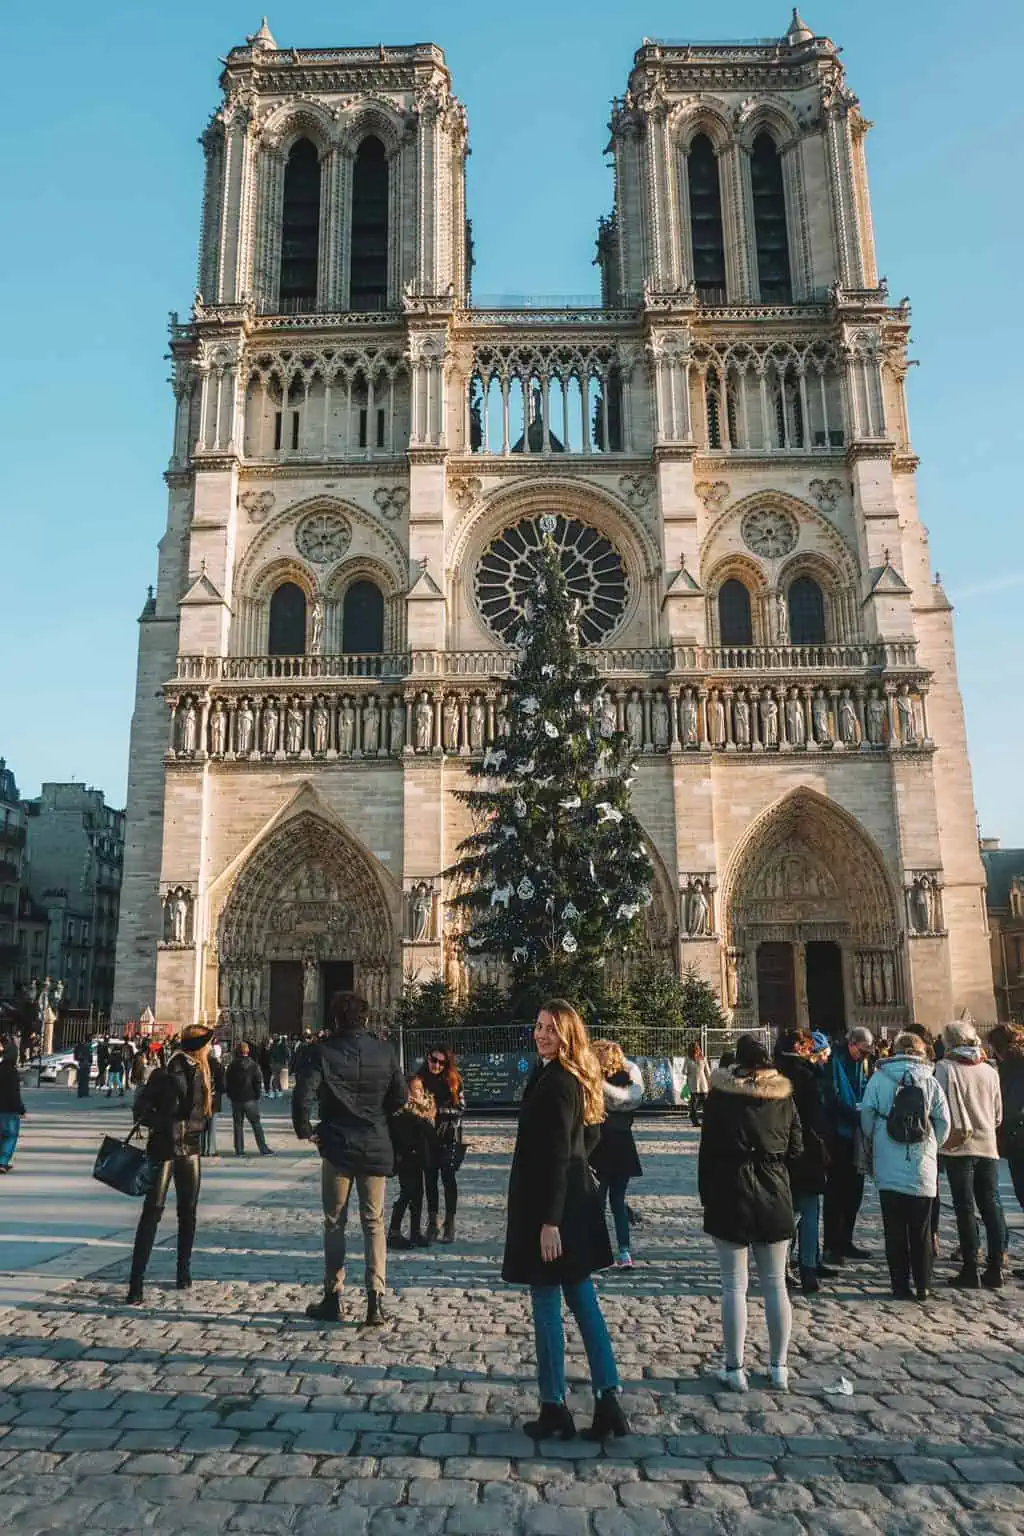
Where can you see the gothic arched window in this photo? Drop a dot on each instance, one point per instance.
(706, 231)
(300, 229)
(362, 618)
(368, 281)
(735, 626)
(806, 612)
(287, 621)
(770, 237)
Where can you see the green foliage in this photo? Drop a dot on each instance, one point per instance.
(555, 877)
(429, 1005)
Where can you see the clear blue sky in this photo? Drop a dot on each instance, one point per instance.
(101, 174)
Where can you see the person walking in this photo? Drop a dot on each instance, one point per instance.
(243, 1083)
(971, 1153)
(175, 1104)
(218, 1085)
(115, 1067)
(1007, 1045)
(442, 1079)
(905, 1119)
(698, 1081)
(12, 1107)
(103, 1063)
(355, 1081)
(615, 1159)
(83, 1061)
(415, 1142)
(750, 1140)
(845, 1084)
(556, 1237)
(279, 1058)
(794, 1058)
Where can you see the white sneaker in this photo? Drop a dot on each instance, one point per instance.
(736, 1381)
(780, 1377)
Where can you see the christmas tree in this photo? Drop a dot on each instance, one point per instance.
(555, 877)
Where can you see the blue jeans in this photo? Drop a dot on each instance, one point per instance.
(581, 1299)
(10, 1125)
(808, 1209)
(616, 1191)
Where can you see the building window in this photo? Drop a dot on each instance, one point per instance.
(368, 281)
(806, 612)
(362, 623)
(773, 273)
(735, 626)
(300, 229)
(706, 230)
(287, 621)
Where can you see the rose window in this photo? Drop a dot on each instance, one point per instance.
(770, 532)
(323, 537)
(594, 570)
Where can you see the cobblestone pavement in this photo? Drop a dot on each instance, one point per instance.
(224, 1409)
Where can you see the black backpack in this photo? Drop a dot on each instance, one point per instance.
(907, 1120)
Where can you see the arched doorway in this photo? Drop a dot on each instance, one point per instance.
(307, 916)
(813, 934)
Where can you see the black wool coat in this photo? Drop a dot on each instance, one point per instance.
(243, 1080)
(615, 1156)
(749, 1141)
(551, 1184)
(171, 1104)
(354, 1081)
(807, 1175)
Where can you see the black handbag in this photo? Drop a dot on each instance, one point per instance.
(122, 1166)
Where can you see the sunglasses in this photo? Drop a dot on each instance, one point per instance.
(435, 1061)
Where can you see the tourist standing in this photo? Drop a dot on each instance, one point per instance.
(698, 1081)
(116, 1064)
(615, 1159)
(103, 1063)
(83, 1060)
(845, 1083)
(905, 1119)
(971, 1152)
(279, 1058)
(218, 1085)
(12, 1107)
(556, 1237)
(415, 1142)
(1007, 1044)
(750, 1140)
(442, 1079)
(243, 1082)
(794, 1058)
(355, 1082)
(175, 1104)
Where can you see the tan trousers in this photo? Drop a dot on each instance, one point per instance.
(337, 1190)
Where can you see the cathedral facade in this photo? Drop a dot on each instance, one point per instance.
(361, 457)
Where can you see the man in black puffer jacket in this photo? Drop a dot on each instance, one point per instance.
(244, 1083)
(354, 1081)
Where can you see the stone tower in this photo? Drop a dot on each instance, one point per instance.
(360, 459)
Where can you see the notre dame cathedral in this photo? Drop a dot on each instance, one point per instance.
(361, 455)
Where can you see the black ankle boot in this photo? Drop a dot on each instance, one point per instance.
(448, 1235)
(184, 1280)
(554, 1422)
(967, 1279)
(327, 1310)
(376, 1317)
(432, 1228)
(809, 1283)
(397, 1240)
(609, 1419)
(992, 1279)
(134, 1297)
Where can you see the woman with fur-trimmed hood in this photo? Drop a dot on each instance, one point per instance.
(750, 1139)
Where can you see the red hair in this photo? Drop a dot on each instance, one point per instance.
(450, 1071)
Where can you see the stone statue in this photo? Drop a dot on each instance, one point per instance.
(741, 721)
(316, 628)
(310, 977)
(244, 729)
(796, 725)
(397, 727)
(346, 729)
(689, 716)
(609, 717)
(781, 619)
(269, 727)
(477, 724)
(218, 730)
(822, 720)
(421, 906)
(877, 986)
(424, 723)
(321, 728)
(849, 725)
(179, 916)
(888, 977)
(732, 981)
(451, 723)
(698, 911)
(876, 719)
(906, 717)
(716, 719)
(371, 728)
(659, 722)
(769, 721)
(635, 721)
(293, 729)
(921, 905)
(187, 730)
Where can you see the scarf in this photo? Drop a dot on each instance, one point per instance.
(968, 1055)
(844, 1084)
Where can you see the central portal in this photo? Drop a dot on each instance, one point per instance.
(826, 1005)
(776, 986)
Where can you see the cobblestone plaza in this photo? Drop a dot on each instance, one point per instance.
(226, 1410)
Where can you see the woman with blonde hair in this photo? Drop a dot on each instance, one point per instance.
(175, 1104)
(556, 1236)
(615, 1159)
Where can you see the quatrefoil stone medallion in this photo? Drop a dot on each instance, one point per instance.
(769, 532)
(324, 537)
